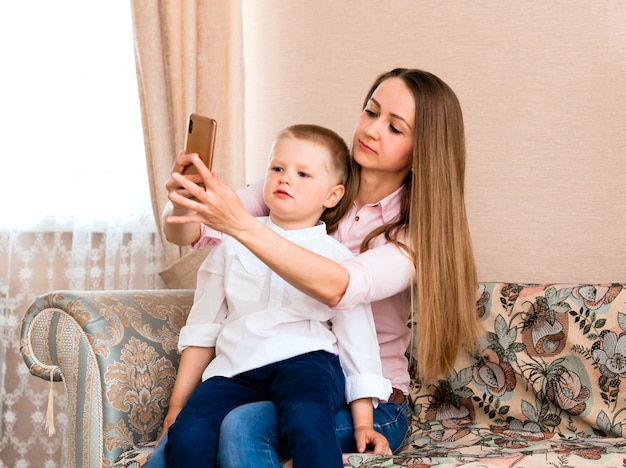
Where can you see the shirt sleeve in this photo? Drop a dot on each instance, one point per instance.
(252, 200)
(376, 274)
(209, 305)
(359, 355)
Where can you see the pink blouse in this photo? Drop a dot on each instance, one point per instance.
(381, 275)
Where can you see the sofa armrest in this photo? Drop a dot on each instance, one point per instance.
(115, 352)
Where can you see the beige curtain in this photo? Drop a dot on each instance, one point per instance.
(189, 57)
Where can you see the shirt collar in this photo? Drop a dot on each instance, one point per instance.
(390, 205)
(319, 230)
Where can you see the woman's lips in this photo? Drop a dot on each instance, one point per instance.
(364, 147)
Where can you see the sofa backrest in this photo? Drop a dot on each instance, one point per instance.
(551, 360)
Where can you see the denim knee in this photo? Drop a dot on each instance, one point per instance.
(249, 437)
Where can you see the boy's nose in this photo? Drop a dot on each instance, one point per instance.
(284, 179)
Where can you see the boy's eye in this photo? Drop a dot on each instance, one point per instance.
(303, 174)
(276, 169)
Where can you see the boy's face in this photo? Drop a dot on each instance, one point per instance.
(299, 184)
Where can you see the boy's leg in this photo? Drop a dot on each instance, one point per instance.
(194, 434)
(157, 459)
(307, 391)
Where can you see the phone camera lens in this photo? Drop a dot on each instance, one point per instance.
(190, 126)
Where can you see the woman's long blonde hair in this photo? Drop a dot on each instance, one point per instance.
(434, 220)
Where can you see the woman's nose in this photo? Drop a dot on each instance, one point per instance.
(372, 129)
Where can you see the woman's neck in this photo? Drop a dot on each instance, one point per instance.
(374, 186)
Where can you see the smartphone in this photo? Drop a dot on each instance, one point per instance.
(200, 138)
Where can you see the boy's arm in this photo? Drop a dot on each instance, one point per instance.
(359, 355)
(197, 338)
(193, 361)
(364, 434)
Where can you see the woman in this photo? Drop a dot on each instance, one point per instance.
(408, 223)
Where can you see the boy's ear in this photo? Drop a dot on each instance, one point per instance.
(334, 195)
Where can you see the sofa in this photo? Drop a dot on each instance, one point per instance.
(545, 386)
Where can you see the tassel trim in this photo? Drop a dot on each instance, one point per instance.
(49, 422)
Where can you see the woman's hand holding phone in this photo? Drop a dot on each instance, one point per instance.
(199, 139)
(216, 204)
(182, 161)
(196, 193)
(183, 202)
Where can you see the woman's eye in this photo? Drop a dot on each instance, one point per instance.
(394, 129)
(369, 112)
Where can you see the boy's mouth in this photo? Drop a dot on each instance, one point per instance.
(282, 193)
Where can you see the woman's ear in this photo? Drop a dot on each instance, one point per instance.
(334, 195)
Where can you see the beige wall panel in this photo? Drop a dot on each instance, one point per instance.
(543, 88)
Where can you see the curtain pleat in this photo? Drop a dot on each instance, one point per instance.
(189, 57)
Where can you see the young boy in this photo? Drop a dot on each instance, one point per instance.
(251, 336)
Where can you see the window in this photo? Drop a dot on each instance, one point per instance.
(72, 144)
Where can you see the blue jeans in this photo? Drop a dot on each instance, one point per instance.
(249, 434)
(306, 391)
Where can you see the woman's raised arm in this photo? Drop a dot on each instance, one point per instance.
(180, 234)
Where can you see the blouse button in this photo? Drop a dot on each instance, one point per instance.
(356, 218)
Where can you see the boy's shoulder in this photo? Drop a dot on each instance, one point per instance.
(337, 247)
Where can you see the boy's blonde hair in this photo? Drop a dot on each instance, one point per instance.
(339, 161)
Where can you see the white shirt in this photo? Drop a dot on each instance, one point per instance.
(380, 276)
(253, 317)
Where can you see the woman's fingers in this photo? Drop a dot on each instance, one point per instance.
(181, 161)
(184, 196)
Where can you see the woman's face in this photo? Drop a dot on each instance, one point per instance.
(383, 137)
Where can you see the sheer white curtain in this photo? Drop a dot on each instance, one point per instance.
(76, 210)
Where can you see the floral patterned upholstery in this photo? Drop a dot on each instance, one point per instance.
(545, 387)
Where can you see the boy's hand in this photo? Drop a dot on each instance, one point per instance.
(367, 438)
(170, 417)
